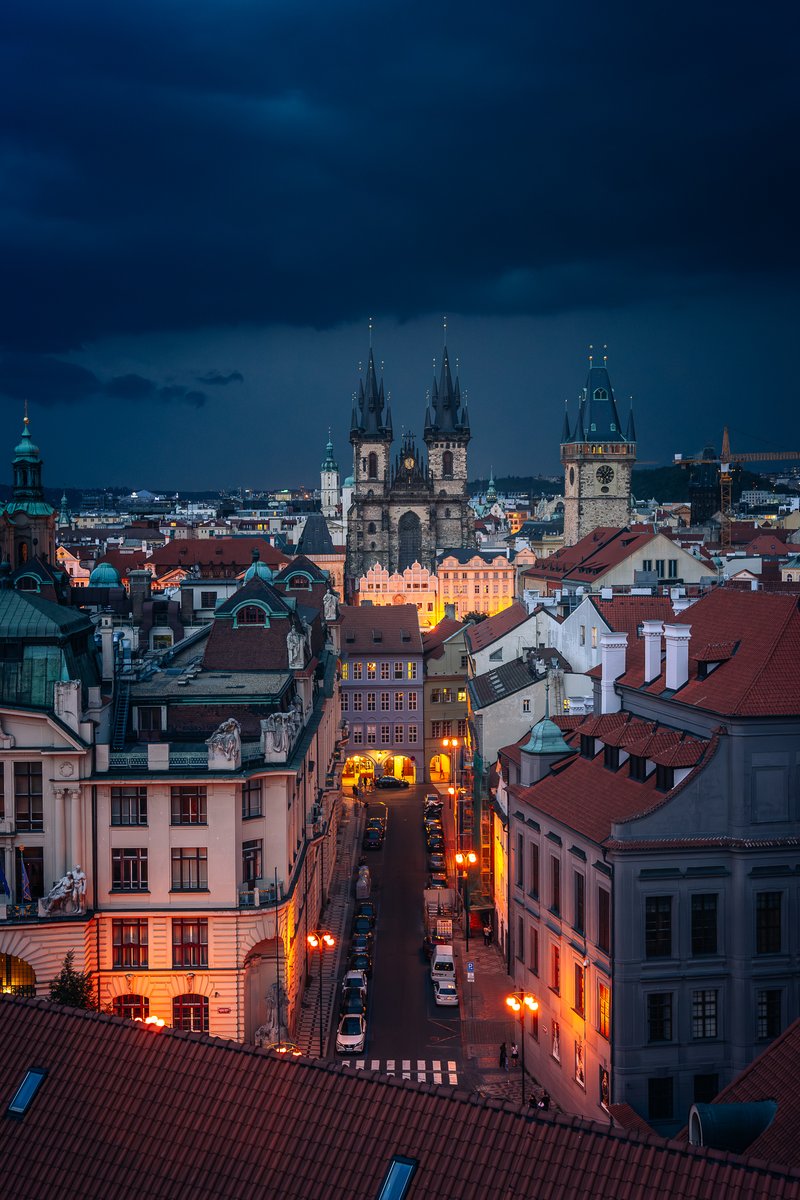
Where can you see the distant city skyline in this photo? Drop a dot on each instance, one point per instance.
(203, 209)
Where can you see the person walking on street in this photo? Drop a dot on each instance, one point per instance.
(487, 934)
(503, 1057)
(514, 1054)
(544, 1102)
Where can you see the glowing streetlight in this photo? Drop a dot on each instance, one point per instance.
(464, 860)
(518, 1002)
(320, 940)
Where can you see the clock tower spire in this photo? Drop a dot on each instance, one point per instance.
(598, 460)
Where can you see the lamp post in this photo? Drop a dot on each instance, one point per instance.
(454, 789)
(518, 1002)
(320, 940)
(464, 860)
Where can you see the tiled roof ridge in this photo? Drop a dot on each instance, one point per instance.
(701, 841)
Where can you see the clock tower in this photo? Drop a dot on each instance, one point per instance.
(598, 461)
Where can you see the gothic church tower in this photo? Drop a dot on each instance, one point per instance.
(598, 461)
(371, 437)
(447, 435)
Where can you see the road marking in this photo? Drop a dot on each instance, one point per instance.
(425, 1072)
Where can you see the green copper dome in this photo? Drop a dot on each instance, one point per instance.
(329, 464)
(258, 570)
(26, 448)
(546, 738)
(105, 575)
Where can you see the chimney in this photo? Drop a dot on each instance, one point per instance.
(107, 647)
(613, 647)
(677, 638)
(139, 591)
(652, 649)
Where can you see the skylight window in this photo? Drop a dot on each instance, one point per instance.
(398, 1178)
(23, 1097)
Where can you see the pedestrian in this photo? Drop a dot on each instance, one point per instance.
(503, 1057)
(487, 934)
(514, 1054)
(544, 1101)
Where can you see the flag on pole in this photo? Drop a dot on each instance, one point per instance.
(26, 883)
(3, 880)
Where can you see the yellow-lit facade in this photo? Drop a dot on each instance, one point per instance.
(480, 584)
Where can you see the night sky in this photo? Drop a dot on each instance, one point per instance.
(203, 203)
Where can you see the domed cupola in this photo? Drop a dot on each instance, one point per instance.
(105, 575)
(258, 570)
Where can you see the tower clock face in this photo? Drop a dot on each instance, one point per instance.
(408, 463)
(605, 474)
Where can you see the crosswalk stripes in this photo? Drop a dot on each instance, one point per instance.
(439, 1071)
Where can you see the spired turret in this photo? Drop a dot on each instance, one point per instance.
(29, 518)
(598, 460)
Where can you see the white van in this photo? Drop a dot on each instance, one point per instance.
(442, 964)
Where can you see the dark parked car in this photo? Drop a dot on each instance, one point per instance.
(353, 1002)
(391, 781)
(436, 862)
(367, 908)
(363, 925)
(437, 880)
(360, 962)
(373, 840)
(376, 823)
(361, 943)
(436, 845)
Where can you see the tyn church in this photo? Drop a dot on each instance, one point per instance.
(402, 511)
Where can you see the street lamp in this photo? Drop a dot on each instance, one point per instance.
(518, 1002)
(320, 940)
(464, 860)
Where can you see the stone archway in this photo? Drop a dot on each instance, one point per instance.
(439, 767)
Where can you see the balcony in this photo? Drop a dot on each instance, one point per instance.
(262, 895)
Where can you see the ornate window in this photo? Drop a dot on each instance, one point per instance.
(190, 1012)
(372, 465)
(251, 614)
(190, 943)
(129, 942)
(131, 1007)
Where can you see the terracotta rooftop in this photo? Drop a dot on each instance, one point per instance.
(594, 555)
(236, 552)
(433, 641)
(380, 629)
(761, 676)
(165, 1115)
(625, 613)
(485, 632)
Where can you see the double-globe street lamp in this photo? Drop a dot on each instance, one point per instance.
(320, 940)
(464, 860)
(518, 1002)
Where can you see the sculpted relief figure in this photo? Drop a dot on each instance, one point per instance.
(294, 644)
(274, 734)
(227, 739)
(59, 894)
(330, 606)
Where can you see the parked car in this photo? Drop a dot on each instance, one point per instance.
(353, 1001)
(391, 781)
(362, 925)
(432, 798)
(351, 1036)
(431, 822)
(438, 879)
(367, 908)
(355, 979)
(376, 823)
(445, 992)
(372, 840)
(435, 845)
(436, 862)
(361, 961)
(361, 943)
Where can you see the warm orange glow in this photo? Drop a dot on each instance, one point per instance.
(472, 858)
(513, 1003)
(451, 791)
(313, 940)
(318, 939)
(517, 999)
(328, 939)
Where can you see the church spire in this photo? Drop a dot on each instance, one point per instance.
(367, 418)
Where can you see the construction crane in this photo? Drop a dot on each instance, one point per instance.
(725, 461)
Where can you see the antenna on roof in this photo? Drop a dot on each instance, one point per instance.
(370, 333)
(591, 356)
(605, 356)
(444, 327)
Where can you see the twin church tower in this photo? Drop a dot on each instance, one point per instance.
(404, 509)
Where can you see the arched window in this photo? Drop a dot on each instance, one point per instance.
(250, 614)
(27, 583)
(372, 465)
(132, 1007)
(600, 394)
(190, 1012)
(299, 581)
(371, 528)
(447, 464)
(410, 537)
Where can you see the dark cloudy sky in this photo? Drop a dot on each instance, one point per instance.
(202, 203)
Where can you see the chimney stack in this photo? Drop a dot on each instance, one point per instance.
(677, 639)
(613, 648)
(652, 649)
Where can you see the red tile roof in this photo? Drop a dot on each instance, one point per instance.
(485, 632)
(761, 678)
(392, 621)
(594, 555)
(773, 1076)
(771, 544)
(433, 641)
(235, 552)
(625, 613)
(169, 1114)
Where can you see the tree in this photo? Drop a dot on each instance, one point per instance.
(475, 617)
(74, 988)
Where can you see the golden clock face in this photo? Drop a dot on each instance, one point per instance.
(605, 474)
(408, 463)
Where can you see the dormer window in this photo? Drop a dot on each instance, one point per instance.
(23, 1097)
(611, 757)
(587, 746)
(251, 614)
(665, 778)
(600, 394)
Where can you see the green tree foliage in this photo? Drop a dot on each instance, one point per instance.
(74, 988)
(474, 617)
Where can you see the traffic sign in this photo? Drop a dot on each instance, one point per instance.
(470, 966)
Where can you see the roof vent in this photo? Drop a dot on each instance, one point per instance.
(731, 1127)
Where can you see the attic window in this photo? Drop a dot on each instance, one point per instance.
(398, 1178)
(349, 637)
(23, 1097)
(600, 394)
(251, 614)
(405, 636)
(377, 636)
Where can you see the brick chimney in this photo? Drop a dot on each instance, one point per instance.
(652, 649)
(677, 639)
(613, 649)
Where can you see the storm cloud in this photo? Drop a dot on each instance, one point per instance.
(45, 381)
